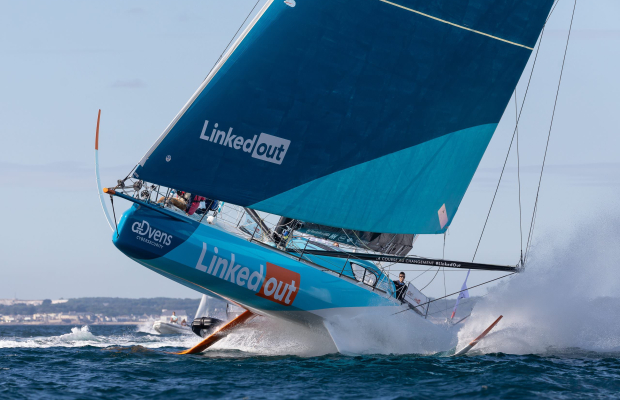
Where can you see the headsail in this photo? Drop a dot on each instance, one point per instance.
(368, 115)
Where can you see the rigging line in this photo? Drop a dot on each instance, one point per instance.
(114, 213)
(557, 93)
(358, 238)
(417, 270)
(519, 178)
(551, 12)
(451, 294)
(513, 134)
(445, 291)
(443, 255)
(467, 301)
(438, 268)
(233, 38)
(381, 267)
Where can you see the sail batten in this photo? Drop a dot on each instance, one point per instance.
(357, 115)
(456, 25)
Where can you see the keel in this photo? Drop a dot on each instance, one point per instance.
(476, 340)
(219, 334)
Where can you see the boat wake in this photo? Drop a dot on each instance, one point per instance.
(83, 337)
(566, 300)
(78, 335)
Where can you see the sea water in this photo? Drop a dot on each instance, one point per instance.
(109, 362)
(559, 338)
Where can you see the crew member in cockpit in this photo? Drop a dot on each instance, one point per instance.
(401, 287)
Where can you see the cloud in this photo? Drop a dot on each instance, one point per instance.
(130, 84)
(594, 174)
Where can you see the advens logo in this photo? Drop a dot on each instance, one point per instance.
(279, 284)
(149, 235)
(267, 148)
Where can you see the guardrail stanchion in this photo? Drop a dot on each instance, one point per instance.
(302, 252)
(345, 265)
(254, 233)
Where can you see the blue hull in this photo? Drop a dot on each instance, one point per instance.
(260, 278)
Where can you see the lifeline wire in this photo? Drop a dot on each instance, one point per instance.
(451, 294)
(557, 93)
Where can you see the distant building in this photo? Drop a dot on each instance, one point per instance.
(11, 302)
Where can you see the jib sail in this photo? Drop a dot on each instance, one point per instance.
(366, 115)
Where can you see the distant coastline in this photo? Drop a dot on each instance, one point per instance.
(42, 323)
(92, 310)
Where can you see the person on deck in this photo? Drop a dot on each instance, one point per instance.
(174, 319)
(181, 200)
(193, 204)
(401, 287)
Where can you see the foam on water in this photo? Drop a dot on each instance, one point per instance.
(147, 327)
(567, 298)
(268, 336)
(78, 334)
(82, 337)
(382, 332)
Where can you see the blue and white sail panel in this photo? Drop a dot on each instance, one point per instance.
(368, 115)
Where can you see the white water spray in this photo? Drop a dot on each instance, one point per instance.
(569, 297)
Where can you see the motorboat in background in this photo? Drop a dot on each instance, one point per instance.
(213, 313)
(166, 327)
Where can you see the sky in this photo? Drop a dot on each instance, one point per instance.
(140, 61)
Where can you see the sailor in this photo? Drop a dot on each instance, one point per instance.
(401, 287)
(181, 200)
(183, 323)
(174, 319)
(193, 204)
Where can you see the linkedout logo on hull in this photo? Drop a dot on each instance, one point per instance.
(150, 235)
(274, 283)
(264, 147)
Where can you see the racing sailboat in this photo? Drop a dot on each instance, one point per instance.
(331, 133)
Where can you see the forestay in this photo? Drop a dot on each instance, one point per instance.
(368, 115)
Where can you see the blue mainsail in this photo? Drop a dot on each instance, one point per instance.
(369, 115)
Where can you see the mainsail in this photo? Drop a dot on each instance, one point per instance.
(367, 115)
